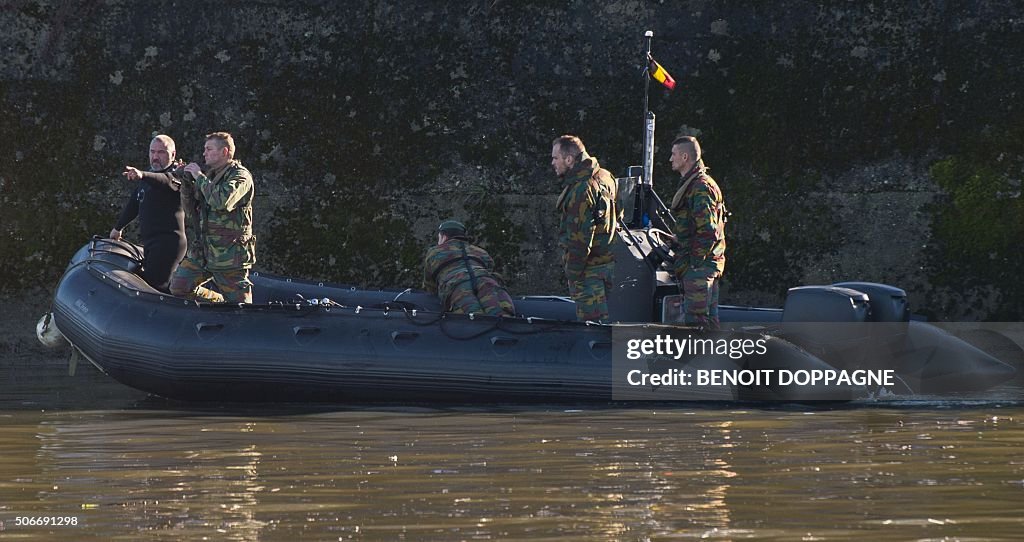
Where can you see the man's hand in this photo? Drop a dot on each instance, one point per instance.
(132, 174)
(194, 169)
(116, 234)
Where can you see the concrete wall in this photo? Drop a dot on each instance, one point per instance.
(866, 141)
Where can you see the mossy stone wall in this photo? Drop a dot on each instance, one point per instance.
(870, 141)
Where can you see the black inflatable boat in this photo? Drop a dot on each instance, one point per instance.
(303, 341)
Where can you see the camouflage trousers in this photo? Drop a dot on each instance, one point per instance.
(189, 278)
(700, 297)
(591, 293)
(490, 298)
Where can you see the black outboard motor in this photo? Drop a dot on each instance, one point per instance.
(888, 303)
(888, 321)
(829, 321)
(857, 324)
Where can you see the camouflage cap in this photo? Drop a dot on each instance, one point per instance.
(452, 228)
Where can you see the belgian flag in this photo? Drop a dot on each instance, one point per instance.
(659, 74)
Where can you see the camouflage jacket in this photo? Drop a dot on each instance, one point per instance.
(219, 210)
(699, 210)
(454, 264)
(590, 214)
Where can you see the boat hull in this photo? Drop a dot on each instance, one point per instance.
(393, 346)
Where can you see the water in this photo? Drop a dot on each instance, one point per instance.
(127, 467)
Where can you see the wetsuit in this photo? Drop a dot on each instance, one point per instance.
(157, 205)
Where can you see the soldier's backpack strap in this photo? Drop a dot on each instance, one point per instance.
(680, 197)
(604, 212)
(464, 258)
(560, 202)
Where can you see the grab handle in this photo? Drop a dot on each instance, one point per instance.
(305, 331)
(403, 338)
(305, 334)
(208, 330)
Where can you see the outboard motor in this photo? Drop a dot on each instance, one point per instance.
(860, 322)
(888, 303)
(889, 318)
(828, 321)
(825, 304)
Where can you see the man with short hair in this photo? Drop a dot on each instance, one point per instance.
(699, 246)
(155, 201)
(590, 214)
(462, 275)
(218, 205)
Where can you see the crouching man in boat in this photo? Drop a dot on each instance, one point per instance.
(699, 247)
(587, 229)
(157, 204)
(461, 274)
(218, 206)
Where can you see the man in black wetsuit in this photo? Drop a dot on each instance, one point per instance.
(157, 204)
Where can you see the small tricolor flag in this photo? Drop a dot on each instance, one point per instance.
(659, 74)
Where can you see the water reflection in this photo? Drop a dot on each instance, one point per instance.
(152, 474)
(606, 474)
(598, 475)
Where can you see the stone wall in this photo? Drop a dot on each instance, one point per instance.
(853, 140)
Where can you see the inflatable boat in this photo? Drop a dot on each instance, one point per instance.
(307, 341)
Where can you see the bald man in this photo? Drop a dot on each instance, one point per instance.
(155, 201)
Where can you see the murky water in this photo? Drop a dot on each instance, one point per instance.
(124, 467)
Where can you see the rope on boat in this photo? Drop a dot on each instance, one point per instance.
(441, 319)
(421, 319)
(307, 307)
(134, 256)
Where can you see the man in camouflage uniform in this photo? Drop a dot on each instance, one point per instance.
(218, 206)
(699, 246)
(461, 275)
(590, 215)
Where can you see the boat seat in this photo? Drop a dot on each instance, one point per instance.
(131, 281)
